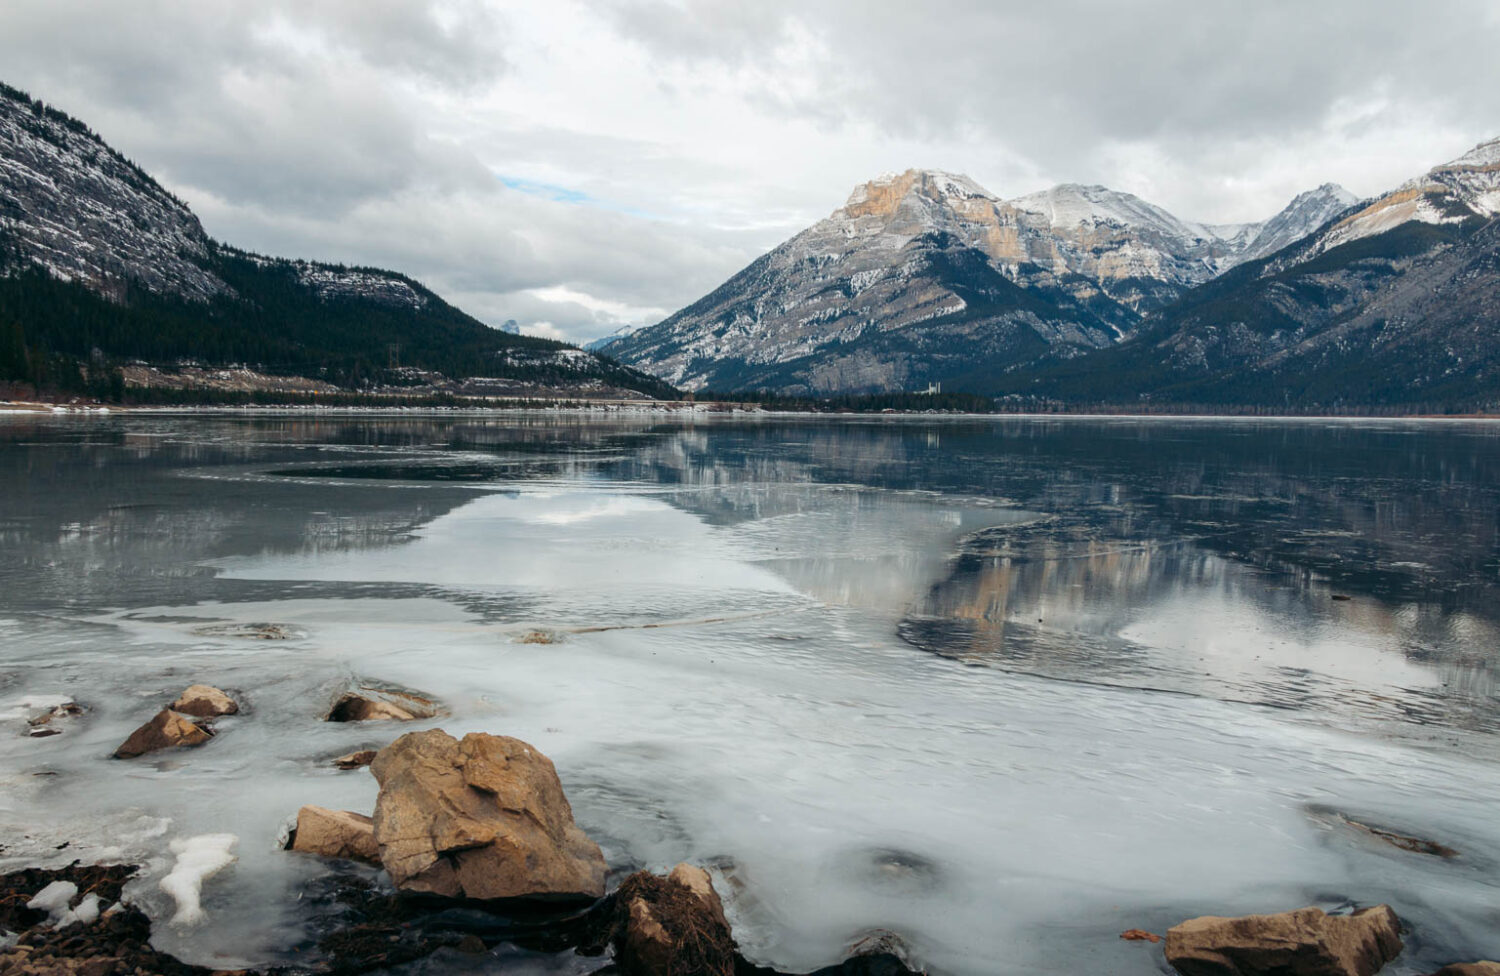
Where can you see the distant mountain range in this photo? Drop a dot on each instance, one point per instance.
(100, 265)
(1087, 294)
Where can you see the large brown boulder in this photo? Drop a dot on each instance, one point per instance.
(484, 818)
(671, 926)
(1305, 942)
(335, 833)
(1470, 969)
(166, 730)
(204, 701)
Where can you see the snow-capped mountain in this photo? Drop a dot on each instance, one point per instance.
(1395, 302)
(1447, 194)
(98, 260)
(923, 273)
(598, 344)
(1306, 213)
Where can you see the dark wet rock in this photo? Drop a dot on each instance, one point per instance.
(381, 705)
(355, 760)
(335, 833)
(666, 926)
(204, 701)
(481, 818)
(878, 953)
(1470, 969)
(377, 929)
(166, 730)
(116, 943)
(1305, 942)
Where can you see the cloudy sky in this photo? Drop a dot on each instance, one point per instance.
(578, 166)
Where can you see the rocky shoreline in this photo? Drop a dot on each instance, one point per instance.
(480, 855)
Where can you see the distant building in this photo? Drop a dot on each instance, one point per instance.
(932, 388)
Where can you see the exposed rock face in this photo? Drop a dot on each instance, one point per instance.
(672, 926)
(1305, 942)
(336, 833)
(166, 730)
(204, 701)
(482, 818)
(71, 204)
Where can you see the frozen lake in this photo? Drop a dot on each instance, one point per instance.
(1004, 686)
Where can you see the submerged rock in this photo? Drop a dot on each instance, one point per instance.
(335, 833)
(166, 730)
(481, 818)
(49, 721)
(1470, 969)
(1305, 942)
(204, 701)
(878, 953)
(671, 925)
(355, 760)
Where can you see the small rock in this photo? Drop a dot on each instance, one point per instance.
(204, 701)
(372, 706)
(167, 730)
(335, 833)
(1470, 969)
(1139, 935)
(666, 926)
(1305, 942)
(878, 953)
(43, 732)
(484, 818)
(65, 710)
(354, 760)
(471, 944)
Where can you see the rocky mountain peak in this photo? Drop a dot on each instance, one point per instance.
(1307, 212)
(884, 195)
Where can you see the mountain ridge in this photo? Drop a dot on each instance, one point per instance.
(101, 266)
(877, 295)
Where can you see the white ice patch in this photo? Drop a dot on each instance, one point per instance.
(54, 900)
(87, 911)
(198, 859)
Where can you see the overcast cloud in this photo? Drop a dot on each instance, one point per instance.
(579, 166)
